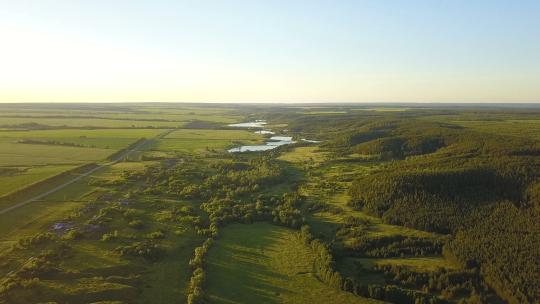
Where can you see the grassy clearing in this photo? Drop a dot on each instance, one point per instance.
(263, 263)
(202, 134)
(191, 140)
(308, 155)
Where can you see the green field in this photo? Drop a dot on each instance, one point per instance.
(191, 140)
(104, 139)
(26, 176)
(262, 263)
(17, 154)
(27, 157)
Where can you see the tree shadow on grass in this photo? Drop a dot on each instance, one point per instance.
(240, 270)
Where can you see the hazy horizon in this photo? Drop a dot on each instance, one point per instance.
(270, 52)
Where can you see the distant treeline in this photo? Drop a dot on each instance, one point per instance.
(49, 142)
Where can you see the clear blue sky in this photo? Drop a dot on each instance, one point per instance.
(261, 51)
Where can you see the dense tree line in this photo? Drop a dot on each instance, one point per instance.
(324, 262)
(393, 246)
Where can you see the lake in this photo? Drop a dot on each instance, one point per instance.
(272, 143)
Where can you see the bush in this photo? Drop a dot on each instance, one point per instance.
(137, 224)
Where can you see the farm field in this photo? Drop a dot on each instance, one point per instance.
(27, 157)
(113, 139)
(112, 116)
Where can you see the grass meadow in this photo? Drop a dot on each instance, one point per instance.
(264, 263)
(196, 140)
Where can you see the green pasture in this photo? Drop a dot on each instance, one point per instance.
(263, 263)
(191, 140)
(303, 155)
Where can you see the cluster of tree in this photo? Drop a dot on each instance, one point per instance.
(390, 293)
(324, 262)
(238, 180)
(50, 142)
(11, 286)
(286, 210)
(23, 282)
(34, 240)
(450, 284)
(148, 249)
(325, 270)
(393, 246)
(196, 293)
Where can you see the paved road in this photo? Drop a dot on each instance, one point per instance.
(62, 186)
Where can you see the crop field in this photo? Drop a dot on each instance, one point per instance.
(102, 139)
(109, 117)
(18, 154)
(75, 122)
(27, 157)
